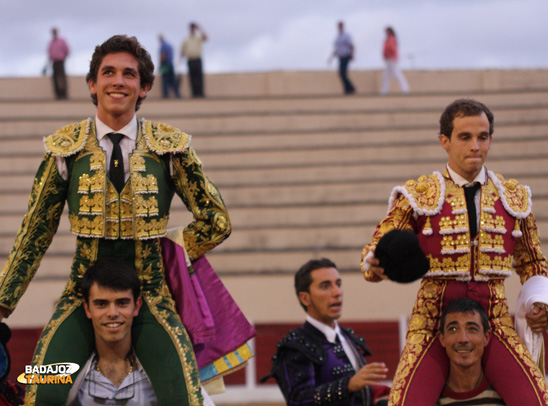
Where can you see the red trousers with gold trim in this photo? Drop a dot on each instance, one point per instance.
(424, 365)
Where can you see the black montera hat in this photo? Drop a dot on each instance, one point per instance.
(401, 257)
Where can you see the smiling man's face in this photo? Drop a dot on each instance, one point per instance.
(118, 87)
(111, 313)
(323, 301)
(464, 339)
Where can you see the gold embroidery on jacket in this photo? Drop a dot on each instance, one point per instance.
(137, 163)
(69, 139)
(144, 184)
(449, 266)
(496, 264)
(116, 213)
(150, 228)
(455, 197)
(516, 195)
(426, 191)
(126, 211)
(162, 138)
(91, 184)
(92, 204)
(488, 201)
(85, 226)
(145, 207)
(450, 225)
(96, 161)
(491, 243)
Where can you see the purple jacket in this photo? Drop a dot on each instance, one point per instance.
(312, 371)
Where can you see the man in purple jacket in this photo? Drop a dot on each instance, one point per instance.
(321, 362)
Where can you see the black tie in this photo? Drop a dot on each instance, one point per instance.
(116, 162)
(470, 193)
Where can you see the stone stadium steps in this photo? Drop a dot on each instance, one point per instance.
(206, 144)
(270, 122)
(161, 109)
(309, 155)
(220, 114)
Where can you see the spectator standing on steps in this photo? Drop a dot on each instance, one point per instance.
(167, 70)
(192, 50)
(58, 51)
(344, 50)
(390, 55)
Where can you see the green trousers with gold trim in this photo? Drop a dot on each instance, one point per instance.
(158, 336)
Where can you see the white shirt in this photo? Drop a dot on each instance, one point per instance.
(481, 178)
(331, 335)
(460, 181)
(192, 46)
(343, 45)
(127, 145)
(92, 388)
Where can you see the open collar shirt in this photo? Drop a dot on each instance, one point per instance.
(96, 389)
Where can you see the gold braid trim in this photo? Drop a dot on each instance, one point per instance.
(27, 247)
(211, 224)
(415, 350)
(184, 351)
(153, 299)
(421, 334)
(43, 344)
(515, 347)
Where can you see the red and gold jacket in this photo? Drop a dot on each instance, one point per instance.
(434, 207)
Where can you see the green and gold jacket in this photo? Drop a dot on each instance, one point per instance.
(161, 165)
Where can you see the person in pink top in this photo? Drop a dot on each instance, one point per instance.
(390, 55)
(57, 52)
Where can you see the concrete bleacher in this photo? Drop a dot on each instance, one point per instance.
(304, 171)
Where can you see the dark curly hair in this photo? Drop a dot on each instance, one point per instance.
(113, 274)
(123, 43)
(464, 108)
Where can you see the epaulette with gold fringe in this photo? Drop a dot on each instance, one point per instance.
(68, 140)
(515, 198)
(425, 195)
(164, 139)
